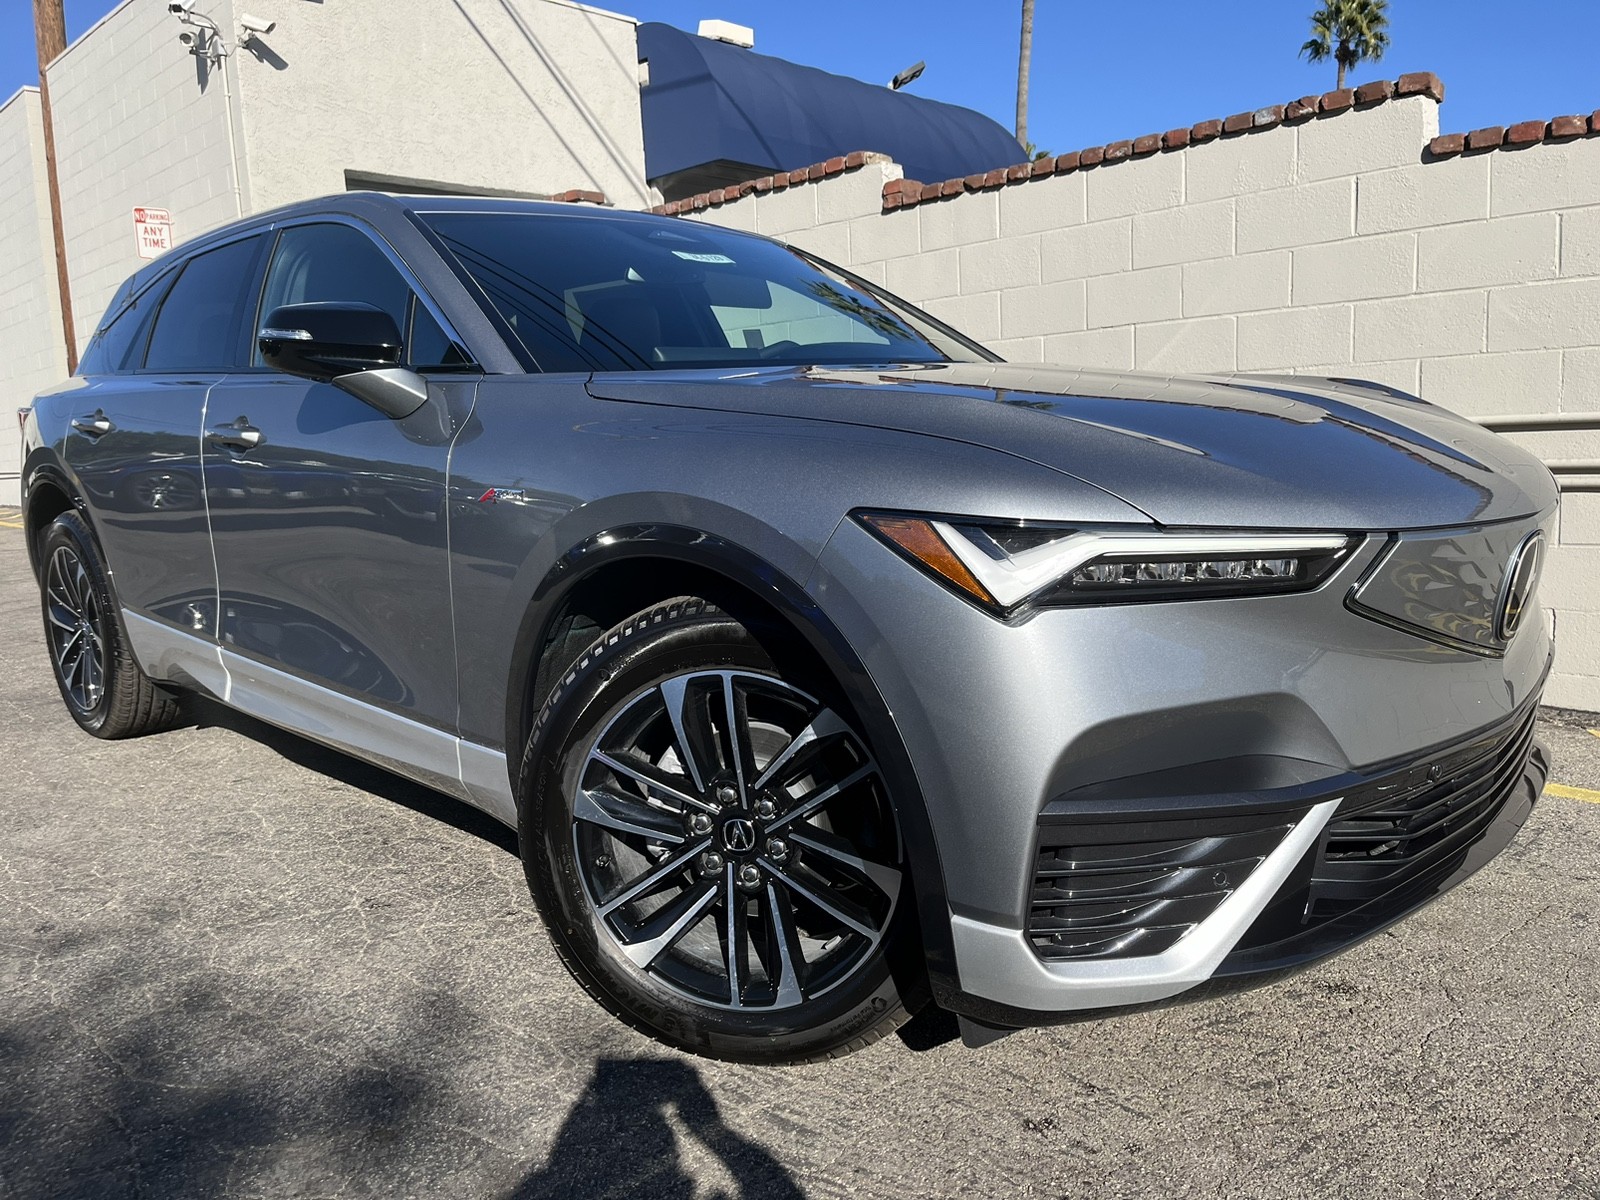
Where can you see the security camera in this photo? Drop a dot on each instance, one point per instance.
(181, 7)
(186, 38)
(255, 24)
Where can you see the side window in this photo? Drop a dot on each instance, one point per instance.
(119, 347)
(426, 343)
(338, 263)
(197, 326)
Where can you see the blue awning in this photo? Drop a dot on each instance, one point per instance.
(711, 102)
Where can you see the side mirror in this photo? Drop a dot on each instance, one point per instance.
(355, 347)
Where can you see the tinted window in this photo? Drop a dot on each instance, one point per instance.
(617, 293)
(120, 345)
(339, 263)
(197, 327)
(426, 343)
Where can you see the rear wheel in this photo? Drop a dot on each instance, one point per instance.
(713, 846)
(104, 689)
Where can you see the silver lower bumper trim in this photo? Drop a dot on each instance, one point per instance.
(998, 964)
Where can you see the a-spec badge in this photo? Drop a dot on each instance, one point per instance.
(1522, 580)
(495, 495)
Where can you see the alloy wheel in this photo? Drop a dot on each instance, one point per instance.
(735, 840)
(76, 628)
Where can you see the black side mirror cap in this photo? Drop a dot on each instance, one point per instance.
(325, 340)
(354, 346)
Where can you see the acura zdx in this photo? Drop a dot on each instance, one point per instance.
(825, 664)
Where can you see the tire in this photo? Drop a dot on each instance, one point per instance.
(646, 874)
(102, 687)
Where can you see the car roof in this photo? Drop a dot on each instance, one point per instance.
(376, 208)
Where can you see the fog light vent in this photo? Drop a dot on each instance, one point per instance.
(1096, 899)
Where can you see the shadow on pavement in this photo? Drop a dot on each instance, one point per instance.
(204, 713)
(148, 1072)
(617, 1140)
(150, 1076)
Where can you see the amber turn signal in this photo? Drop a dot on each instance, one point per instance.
(920, 541)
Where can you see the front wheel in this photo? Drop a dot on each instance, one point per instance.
(713, 846)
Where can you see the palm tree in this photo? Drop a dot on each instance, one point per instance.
(1349, 32)
(1024, 63)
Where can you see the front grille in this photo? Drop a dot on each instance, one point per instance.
(1117, 899)
(1395, 829)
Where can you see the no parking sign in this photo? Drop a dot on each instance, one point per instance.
(152, 227)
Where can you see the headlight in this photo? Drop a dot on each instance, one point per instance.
(1006, 566)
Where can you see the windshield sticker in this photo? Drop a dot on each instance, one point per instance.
(691, 256)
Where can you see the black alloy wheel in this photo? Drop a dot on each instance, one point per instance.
(75, 626)
(716, 845)
(104, 689)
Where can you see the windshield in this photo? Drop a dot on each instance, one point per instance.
(597, 293)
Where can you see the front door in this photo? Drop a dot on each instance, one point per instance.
(328, 518)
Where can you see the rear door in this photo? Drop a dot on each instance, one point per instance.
(134, 442)
(328, 518)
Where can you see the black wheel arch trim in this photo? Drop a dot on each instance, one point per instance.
(42, 467)
(746, 569)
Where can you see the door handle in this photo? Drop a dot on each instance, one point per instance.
(237, 435)
(93, 426)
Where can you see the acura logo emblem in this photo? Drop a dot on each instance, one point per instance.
(739, 835)
(1522, 578)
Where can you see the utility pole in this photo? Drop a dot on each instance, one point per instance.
(1024, 67)
(50, 36)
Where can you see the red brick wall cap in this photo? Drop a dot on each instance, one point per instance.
(1420, 83)
(1525, 133)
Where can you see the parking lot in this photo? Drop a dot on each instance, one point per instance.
(236, 963)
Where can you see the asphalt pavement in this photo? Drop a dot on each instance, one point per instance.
(235, 963)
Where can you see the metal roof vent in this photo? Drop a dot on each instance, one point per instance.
(727, 31)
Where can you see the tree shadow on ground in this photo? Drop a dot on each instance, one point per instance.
(145, 1076)
(617, 1139)
(141, 1069)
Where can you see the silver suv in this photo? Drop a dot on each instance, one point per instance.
(824, 663)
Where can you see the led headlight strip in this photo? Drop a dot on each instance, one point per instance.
(1006, 565)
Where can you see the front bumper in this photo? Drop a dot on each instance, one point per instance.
(1351, 857)
(1256, 719)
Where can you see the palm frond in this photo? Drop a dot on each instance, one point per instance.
(1349, 32)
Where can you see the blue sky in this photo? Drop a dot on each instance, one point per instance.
(1108, 71)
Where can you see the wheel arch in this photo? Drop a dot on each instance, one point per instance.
(47, 493)
(615, 573)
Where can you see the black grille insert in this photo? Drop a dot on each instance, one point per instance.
(1094, 899)
(1389, 832)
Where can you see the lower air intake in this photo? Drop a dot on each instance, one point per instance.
(1103, 899)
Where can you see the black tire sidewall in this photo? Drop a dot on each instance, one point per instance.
(115, 715)
(672, 640)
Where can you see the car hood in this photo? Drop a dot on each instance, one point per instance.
(1287, 452)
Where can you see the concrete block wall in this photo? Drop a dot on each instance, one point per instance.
(137, 123)
(30, 310)
(1338, 234)
(530, 96)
